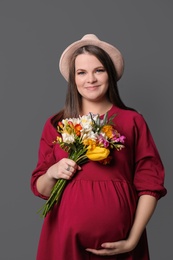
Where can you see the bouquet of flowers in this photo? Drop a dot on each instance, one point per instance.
(85, 138)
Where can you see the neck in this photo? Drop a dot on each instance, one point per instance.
(96, 108)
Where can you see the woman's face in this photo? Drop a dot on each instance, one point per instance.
(91, 78)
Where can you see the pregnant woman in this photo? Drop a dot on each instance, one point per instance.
(104, 208)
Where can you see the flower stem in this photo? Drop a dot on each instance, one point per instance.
(54, 197)
(79, 157)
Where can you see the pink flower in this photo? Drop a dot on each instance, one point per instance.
(103, 141)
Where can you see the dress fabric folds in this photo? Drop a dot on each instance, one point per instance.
(99, 203)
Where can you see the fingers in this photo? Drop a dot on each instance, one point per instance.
(110, 245)
(71, 167)
(107, 249)
(69, 171)
(102, 252)
(111, 248)
(68, 168)
(64, 169)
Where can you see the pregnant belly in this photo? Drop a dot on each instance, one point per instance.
(96, 212)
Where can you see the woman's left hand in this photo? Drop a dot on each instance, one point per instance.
(112, 248)
(145, 208)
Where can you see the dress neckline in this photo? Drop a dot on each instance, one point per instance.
(110, 111)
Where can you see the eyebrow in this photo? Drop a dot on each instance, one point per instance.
(99, 67)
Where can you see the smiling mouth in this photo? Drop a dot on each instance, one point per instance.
(92, 87)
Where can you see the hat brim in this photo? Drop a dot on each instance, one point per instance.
(112, 51)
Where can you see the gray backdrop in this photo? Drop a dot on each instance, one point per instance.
(33, 35)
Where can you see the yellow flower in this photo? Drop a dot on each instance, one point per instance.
(90, 142)
(108, 130)
(97, 154)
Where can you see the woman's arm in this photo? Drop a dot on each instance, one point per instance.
(145, 208)
(64, 169)
(144, 211)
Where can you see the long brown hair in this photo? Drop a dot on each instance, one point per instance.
(73, 102)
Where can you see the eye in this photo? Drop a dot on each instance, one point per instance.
(100, 70)
(80, 73)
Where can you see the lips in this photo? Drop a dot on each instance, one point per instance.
(91, 87)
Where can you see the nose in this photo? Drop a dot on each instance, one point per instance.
(91, 78)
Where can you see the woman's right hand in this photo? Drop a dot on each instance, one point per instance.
(64, 169)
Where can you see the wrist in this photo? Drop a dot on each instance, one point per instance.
(49, 175)
(132, 242)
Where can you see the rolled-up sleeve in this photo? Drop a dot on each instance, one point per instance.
(45, 155)
(149, 170)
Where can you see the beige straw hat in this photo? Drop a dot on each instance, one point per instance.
(91, 39)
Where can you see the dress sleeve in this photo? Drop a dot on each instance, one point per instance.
(149, 170)
(45, 155)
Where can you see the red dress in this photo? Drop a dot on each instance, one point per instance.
(99, 203)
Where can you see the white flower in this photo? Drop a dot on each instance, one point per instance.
(68, 138)
(89, 135)
(87, 122)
